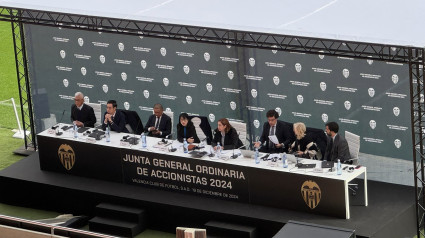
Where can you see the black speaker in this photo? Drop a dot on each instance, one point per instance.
(296, 229)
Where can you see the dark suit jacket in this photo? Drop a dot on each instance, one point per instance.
(190, 132)
(86, 115)
(119, 122)
(284, 134)
(339, 151)
(231, 139)
(164, 125)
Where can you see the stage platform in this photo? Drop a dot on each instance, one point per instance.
(391, 210)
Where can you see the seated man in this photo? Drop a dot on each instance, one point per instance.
(82, 114)
(337, 147)
(113, 118)
(159, 124)
(280, 129)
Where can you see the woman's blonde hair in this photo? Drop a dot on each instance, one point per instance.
(299, 129)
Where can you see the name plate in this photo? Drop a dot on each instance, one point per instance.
(91, 140)
(124, 143)
(51, 132)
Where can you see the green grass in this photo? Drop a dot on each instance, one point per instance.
(8, 145)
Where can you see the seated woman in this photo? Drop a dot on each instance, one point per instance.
(226, 135)
(303, 146)
(186, 129)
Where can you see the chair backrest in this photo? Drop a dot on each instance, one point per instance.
(133, 122)
(353, 141)
(241, 129)
(97, 108)
(202, 127)
(171, 115)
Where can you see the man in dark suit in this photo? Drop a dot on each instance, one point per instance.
(113, 118)
(159, 124)
(337, 147)
(280, 129)
(82, 114)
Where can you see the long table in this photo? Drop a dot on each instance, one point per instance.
(239, 179)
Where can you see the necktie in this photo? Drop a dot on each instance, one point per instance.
(331, 144)
(271, 145)
(184, 129)
(157, 123)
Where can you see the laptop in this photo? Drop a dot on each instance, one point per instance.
(247, 153)
(328, 164)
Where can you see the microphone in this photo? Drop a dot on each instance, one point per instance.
(58, 133)
(237, 155)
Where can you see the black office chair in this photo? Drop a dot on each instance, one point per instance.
(133, 122)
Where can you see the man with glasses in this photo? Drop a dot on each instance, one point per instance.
(82, 114)
(159, 124)
(280, 129)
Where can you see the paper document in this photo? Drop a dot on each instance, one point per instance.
(274, 139)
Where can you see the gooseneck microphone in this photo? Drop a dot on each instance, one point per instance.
(237, 155)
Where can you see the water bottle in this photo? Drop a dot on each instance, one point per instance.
(284, 160)
(143, 140)
(218, 152)
(75, 131)
(338, 168)
(257, 156)
(108, 134)
(185, 146)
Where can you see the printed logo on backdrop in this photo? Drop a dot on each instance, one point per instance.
(63, 54)
(252, 62)
(396, 111)
(211, 117)
(143, 64)
(83, 71)
(123, 76)
(298, 67)
(397, 143)
(300, 99)
(422, 98)
(163, 51)
(102, 59)
(186, 69)
(189, 99)
(325, 117)
(86, 99)
(274, 51)
(166, 82)
(168, 109)
(345, 73)
(121, 46)
(105, 88)
(233, 105)
(184, 41)
(207, 56)
(146, 93)
(347, 105)
(371, 92)
(394, 78)
(80, 41)
(230, 75)
(254, 93)
(369, 61)
(66, 156)
(209, 87)
(126, 105)
(276, 80)
(278, 110)
(321, 56)
(256, 123)
(372, 124)
(323, 86)
(311, 193)
(65, 83)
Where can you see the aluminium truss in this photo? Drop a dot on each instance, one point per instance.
(412, 56)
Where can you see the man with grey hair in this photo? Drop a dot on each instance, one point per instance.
(159, 124)
(81, 113)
